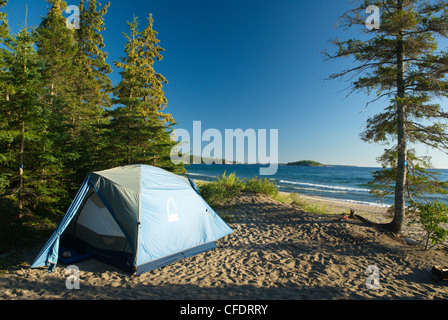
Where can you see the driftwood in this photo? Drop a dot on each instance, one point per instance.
(353, 216)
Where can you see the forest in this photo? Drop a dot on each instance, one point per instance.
(61, 116)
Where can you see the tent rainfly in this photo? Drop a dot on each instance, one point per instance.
(137, 218)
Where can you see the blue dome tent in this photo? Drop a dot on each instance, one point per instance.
(135, 217)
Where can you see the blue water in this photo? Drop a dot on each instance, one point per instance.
(340, 183)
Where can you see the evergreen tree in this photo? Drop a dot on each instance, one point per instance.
(139, 131)
(4, 28)
(93, 86)
(56, 48)
(4, 97)
(23, 148)
(400, 62)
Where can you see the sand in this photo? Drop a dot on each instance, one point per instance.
(277, 251)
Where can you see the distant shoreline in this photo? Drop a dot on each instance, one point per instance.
(283, 164)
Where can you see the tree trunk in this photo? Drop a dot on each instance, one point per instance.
(400, 182)
(22, 133)
(22, 145)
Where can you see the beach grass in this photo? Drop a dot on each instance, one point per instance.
(298, 200)
(229, 186)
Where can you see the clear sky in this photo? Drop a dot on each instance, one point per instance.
(250, 64)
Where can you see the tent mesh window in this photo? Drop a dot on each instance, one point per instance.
(95, 225)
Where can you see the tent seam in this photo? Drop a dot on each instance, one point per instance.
(114, 217)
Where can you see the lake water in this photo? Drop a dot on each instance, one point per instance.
(339, 182)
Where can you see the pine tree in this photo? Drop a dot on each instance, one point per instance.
(400, 62)
(4, 97)
(23, 154)
(4, 27)
(93, 86)
(56, 48)
(422, 181)
(139, 131)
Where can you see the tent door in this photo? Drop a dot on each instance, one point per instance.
(95, 230)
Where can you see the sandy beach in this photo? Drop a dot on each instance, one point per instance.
(277, 252)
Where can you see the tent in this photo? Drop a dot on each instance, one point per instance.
(135, 217)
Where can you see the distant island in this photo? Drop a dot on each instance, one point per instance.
(306, 163)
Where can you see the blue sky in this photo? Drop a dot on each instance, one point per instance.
(250, 64)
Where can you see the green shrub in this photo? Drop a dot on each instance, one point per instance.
(263, 186)
(431, 216)
(231, 183)
(226, 187)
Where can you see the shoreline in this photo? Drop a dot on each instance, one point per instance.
(340, 206)
(333, 202)
(336, 206)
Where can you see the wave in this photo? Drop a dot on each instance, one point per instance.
(382, 205)
(322, 186)
(200, 175)
(319, 190)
